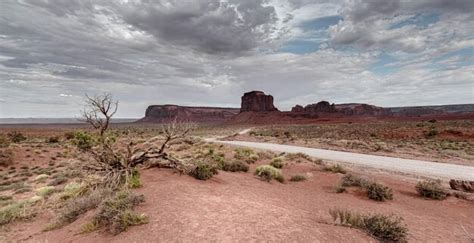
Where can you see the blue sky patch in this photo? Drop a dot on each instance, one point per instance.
(419, 20)
(321, 23)
(380, 67)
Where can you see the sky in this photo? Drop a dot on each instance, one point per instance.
(209, 52)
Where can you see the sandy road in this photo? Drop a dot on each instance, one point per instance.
(409, 166)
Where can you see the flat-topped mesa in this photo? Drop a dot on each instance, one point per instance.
(322, 106)
(164, 113)
(257, 101)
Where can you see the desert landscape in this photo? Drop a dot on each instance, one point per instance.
(236, 121)
(170, 176)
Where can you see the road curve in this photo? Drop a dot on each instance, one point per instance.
(416, 167)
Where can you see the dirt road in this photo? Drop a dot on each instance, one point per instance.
(417, 167)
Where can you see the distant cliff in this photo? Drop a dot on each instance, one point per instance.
(164, 113)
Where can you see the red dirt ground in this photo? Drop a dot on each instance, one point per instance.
(238, 207)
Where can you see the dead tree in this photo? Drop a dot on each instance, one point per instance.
(118, 167)
(99, 111)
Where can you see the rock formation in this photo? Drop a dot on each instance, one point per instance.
(322, 106)
(297, 108)
(163, 113)
(257, 101)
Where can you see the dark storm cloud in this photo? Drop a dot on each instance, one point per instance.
(210, 26)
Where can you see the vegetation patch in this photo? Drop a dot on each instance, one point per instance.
(374, 190)
(386, 228)
(203, 171)
(45, 191)
(277, 162)
(116, 213)
(431, 189)
(268, 172)
(298, 178)
(379, 192)
(234, 166)
(16, 211)
(335, 169)
(6, 157)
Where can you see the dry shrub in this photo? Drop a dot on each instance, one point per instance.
(431, 189)
(77, 206)
(379, 192)
(277, 163)
(387, 228)
(298, 178)
(16, 211)
(375, 191)
(234, 166)
(335, 169)
(4, 141)
(352, 180)
(116, 214)
(16, 137)
(6, 157)
(268, 172)
(203, 171)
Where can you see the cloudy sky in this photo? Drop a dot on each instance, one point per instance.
(208, 52)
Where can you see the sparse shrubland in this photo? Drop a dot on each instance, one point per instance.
(386, 228)
(374, 190)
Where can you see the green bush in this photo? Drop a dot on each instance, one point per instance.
(203, 171)
(379, 192)
(298, 178)
(268, 172)
(431, 189)
(83, 140)
(387, 228)
(134, 181)
(277, 163)
(335, 169)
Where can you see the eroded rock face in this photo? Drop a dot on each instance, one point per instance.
(322, 106)
(257, 101)
(465, 186)
(164, 113)
(297, 108)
